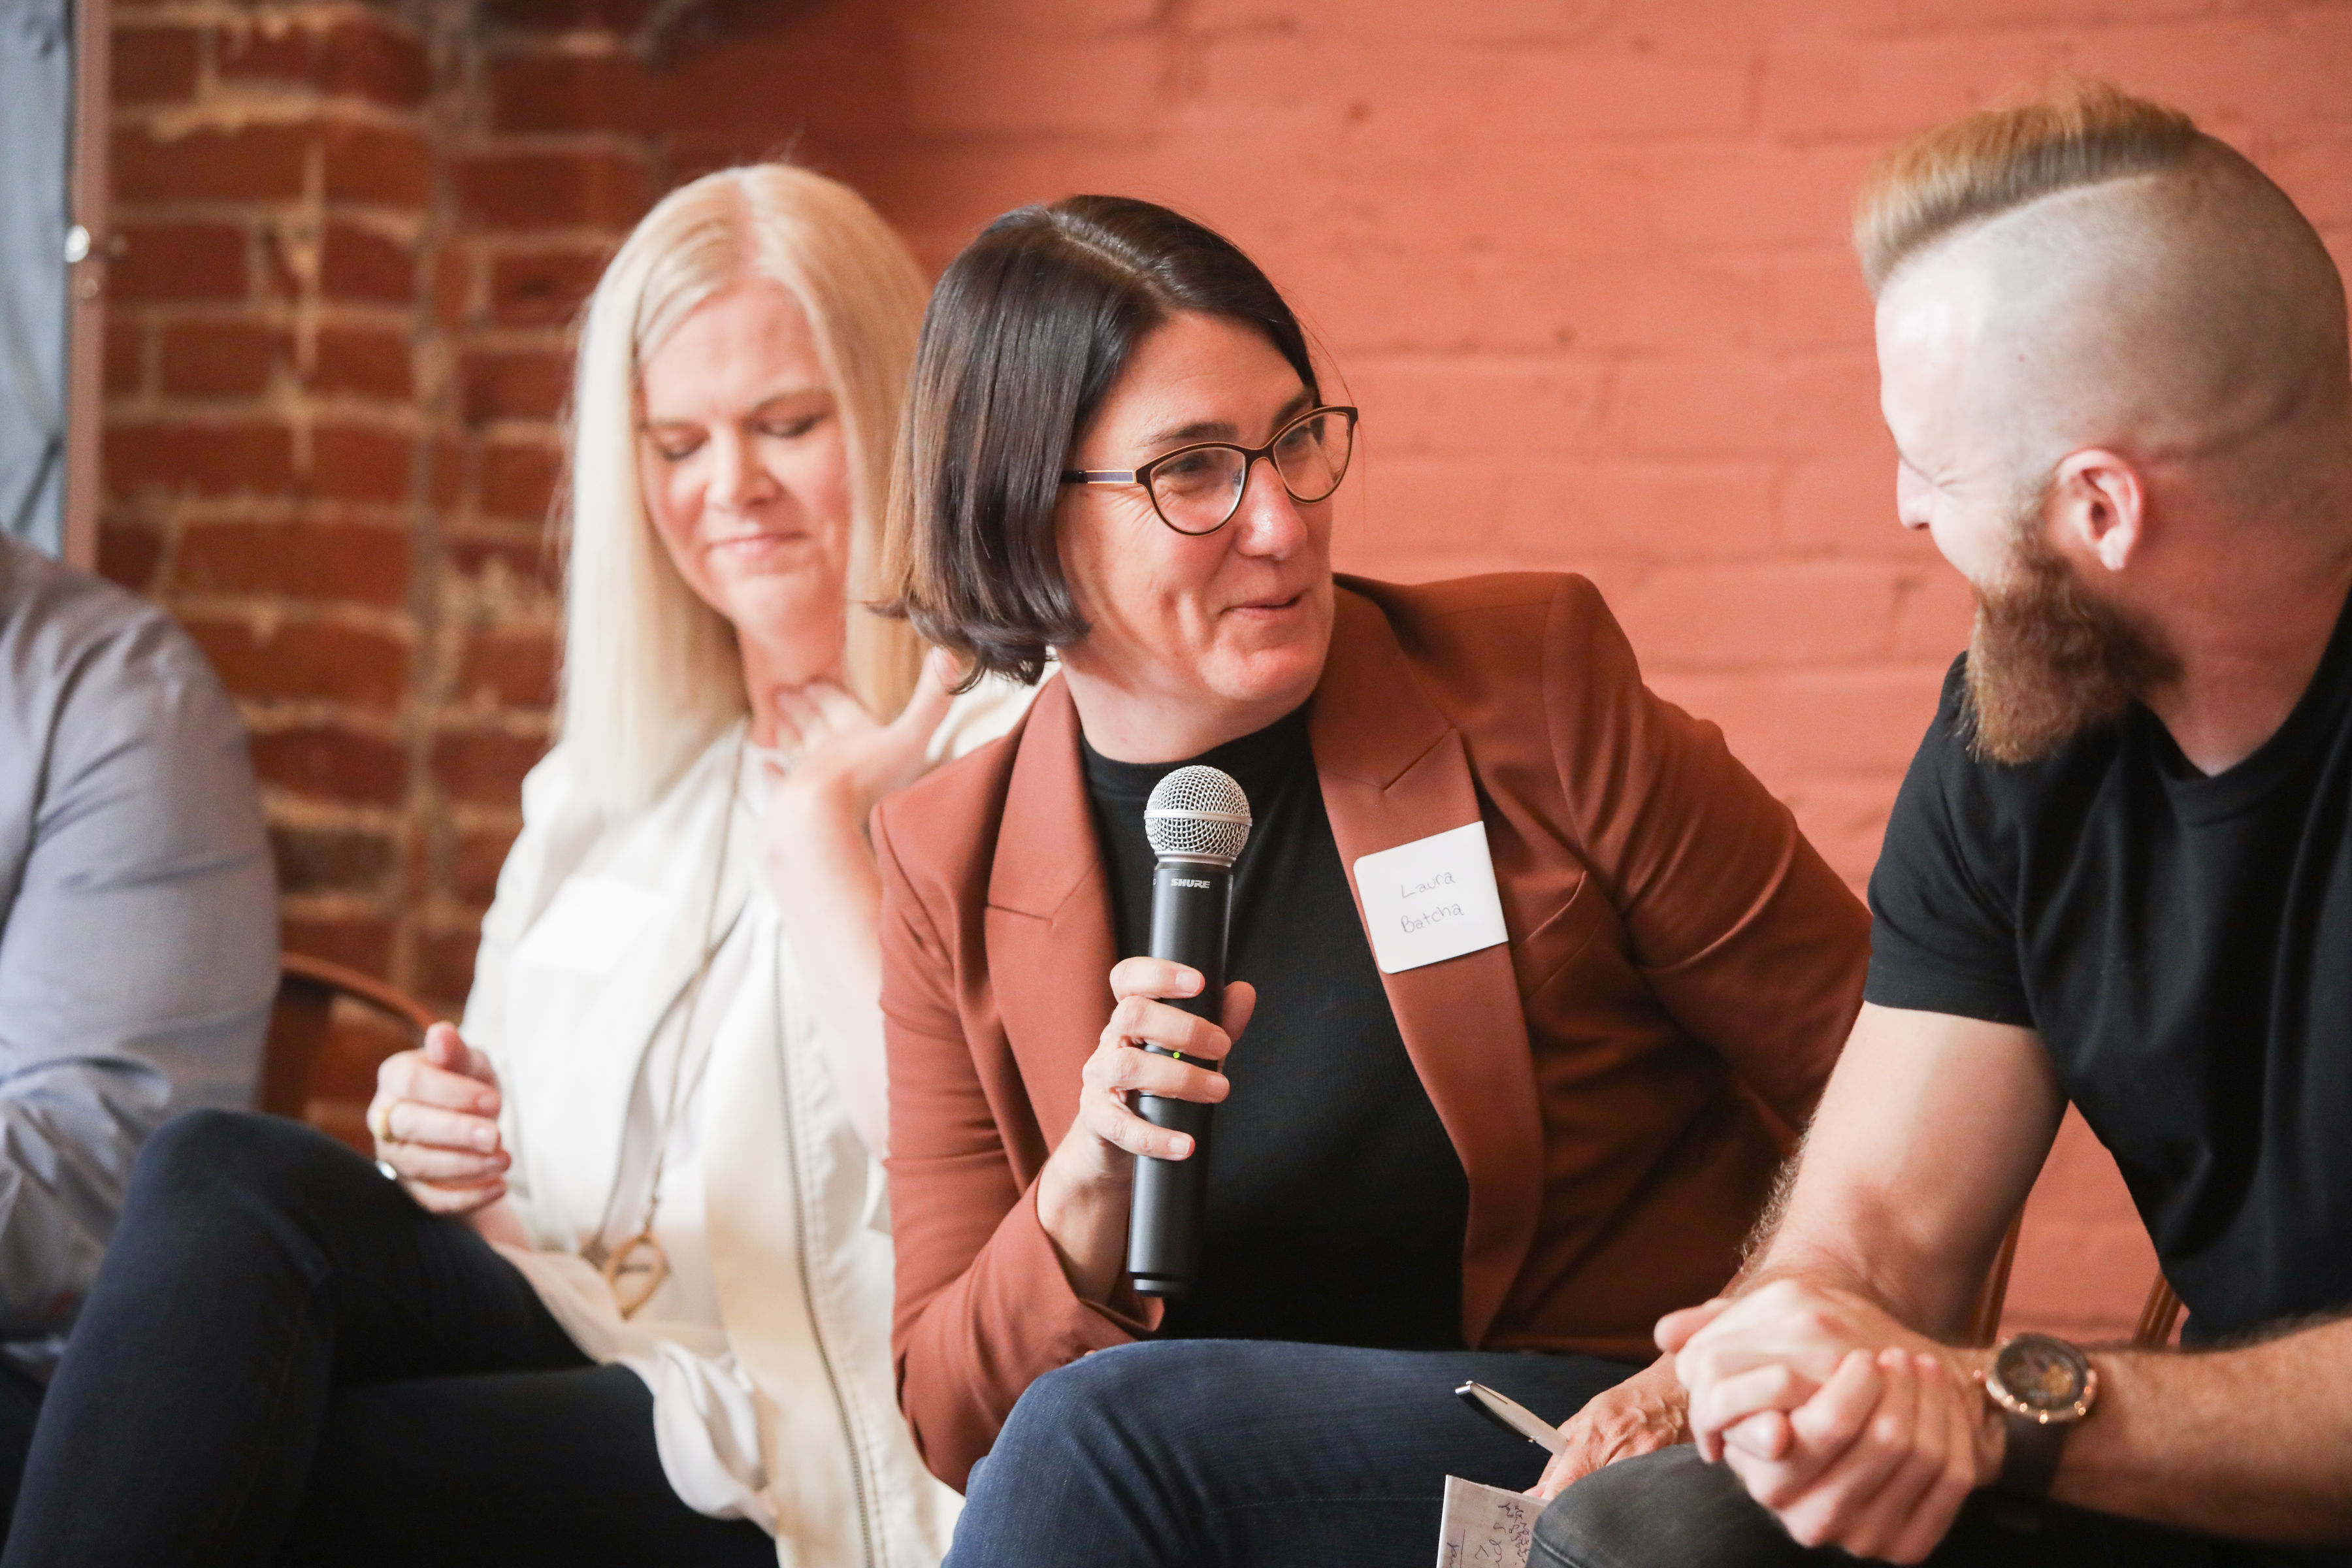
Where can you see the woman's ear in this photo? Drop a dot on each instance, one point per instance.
(2098, 507)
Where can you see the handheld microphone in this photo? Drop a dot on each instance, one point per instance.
(1197, 820)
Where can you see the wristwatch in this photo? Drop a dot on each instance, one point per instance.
(2043, 1386)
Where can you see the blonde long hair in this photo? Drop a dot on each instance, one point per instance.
(651, 673)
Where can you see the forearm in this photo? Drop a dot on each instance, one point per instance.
(72, 1131)
(500, 1223)
(1926, 1144)
(1869, 1254)
(829, 897)
(2247, 1442)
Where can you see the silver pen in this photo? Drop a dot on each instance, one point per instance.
(1509, 1413)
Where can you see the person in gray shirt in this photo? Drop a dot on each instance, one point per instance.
(138, 933)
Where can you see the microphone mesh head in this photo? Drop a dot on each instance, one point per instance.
(1197, 811)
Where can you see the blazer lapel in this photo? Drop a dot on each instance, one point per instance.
(1393, 769)
(1049, 931)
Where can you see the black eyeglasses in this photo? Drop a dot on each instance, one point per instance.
(1196, 489)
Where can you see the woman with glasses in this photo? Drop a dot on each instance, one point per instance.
(1518, 1087)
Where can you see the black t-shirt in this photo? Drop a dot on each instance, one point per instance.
(1336, 1204)
(2184, 946)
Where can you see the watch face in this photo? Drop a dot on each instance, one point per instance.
(2044, 1374)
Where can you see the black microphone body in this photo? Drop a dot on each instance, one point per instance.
(1190, 898)
(1197, 820)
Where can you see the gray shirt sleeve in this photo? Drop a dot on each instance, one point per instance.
(138, 924)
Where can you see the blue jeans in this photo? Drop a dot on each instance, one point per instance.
(1674, 1510)
(1200, 1452)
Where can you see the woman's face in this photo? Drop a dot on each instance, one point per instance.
(747, 477)
(1228, 629)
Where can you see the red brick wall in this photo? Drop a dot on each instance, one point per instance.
(335, 362)
(1581, 262)
(272, 399)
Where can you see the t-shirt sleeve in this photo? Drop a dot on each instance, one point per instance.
(1943, 936)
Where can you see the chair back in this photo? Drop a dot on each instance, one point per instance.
(1984, 1323)
(2157, 1316)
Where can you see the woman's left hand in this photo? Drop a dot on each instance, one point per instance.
(848, 760)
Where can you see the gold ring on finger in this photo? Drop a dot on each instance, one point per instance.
(379, 1122)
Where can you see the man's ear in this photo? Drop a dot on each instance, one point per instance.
(2097, 507)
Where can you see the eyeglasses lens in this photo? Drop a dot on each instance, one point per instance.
(1312, 456)
(1197, 490)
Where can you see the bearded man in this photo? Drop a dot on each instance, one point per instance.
(2113, 357)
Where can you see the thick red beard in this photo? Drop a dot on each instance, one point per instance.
(2047, 662)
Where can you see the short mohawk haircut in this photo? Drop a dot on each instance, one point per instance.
(1992, 161)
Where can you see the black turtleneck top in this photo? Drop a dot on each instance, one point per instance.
(1336, 1204)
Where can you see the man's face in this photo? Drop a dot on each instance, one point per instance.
(1951, 478)
(2048, 659)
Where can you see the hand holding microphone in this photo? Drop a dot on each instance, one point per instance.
(1197, 819)
(1164, 1043)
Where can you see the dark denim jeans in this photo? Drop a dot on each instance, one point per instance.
(20, 1408)
(1248, 1453)
(283, 1360)
(1674, 1510)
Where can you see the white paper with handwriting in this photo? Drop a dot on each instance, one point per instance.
(1430, 899)
(1485, 1527)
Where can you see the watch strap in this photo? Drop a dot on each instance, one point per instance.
(2029, 1460)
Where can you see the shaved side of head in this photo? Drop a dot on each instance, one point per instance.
(2132, 283)
(1996, 161)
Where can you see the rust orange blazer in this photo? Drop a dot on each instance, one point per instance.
(1618, 1080)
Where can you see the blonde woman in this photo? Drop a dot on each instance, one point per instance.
(627, 1298)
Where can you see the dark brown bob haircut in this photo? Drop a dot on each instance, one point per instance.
(1024, 335)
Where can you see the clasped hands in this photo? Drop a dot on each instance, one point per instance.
(1858, 1433)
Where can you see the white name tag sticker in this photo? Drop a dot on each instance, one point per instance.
(1430, 899)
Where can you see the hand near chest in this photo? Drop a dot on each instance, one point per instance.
(821, 871)
(847, 760)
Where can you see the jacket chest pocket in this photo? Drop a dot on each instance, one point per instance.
(575, 967)
(1542, 958)
(582, 996)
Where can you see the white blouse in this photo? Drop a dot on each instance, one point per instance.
(706, 1424)
(581, 999)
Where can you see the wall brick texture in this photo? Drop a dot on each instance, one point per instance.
(1581, 262)
(330, 436)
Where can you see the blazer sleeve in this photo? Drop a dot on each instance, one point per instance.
(1741, 929)
(983, 1308)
